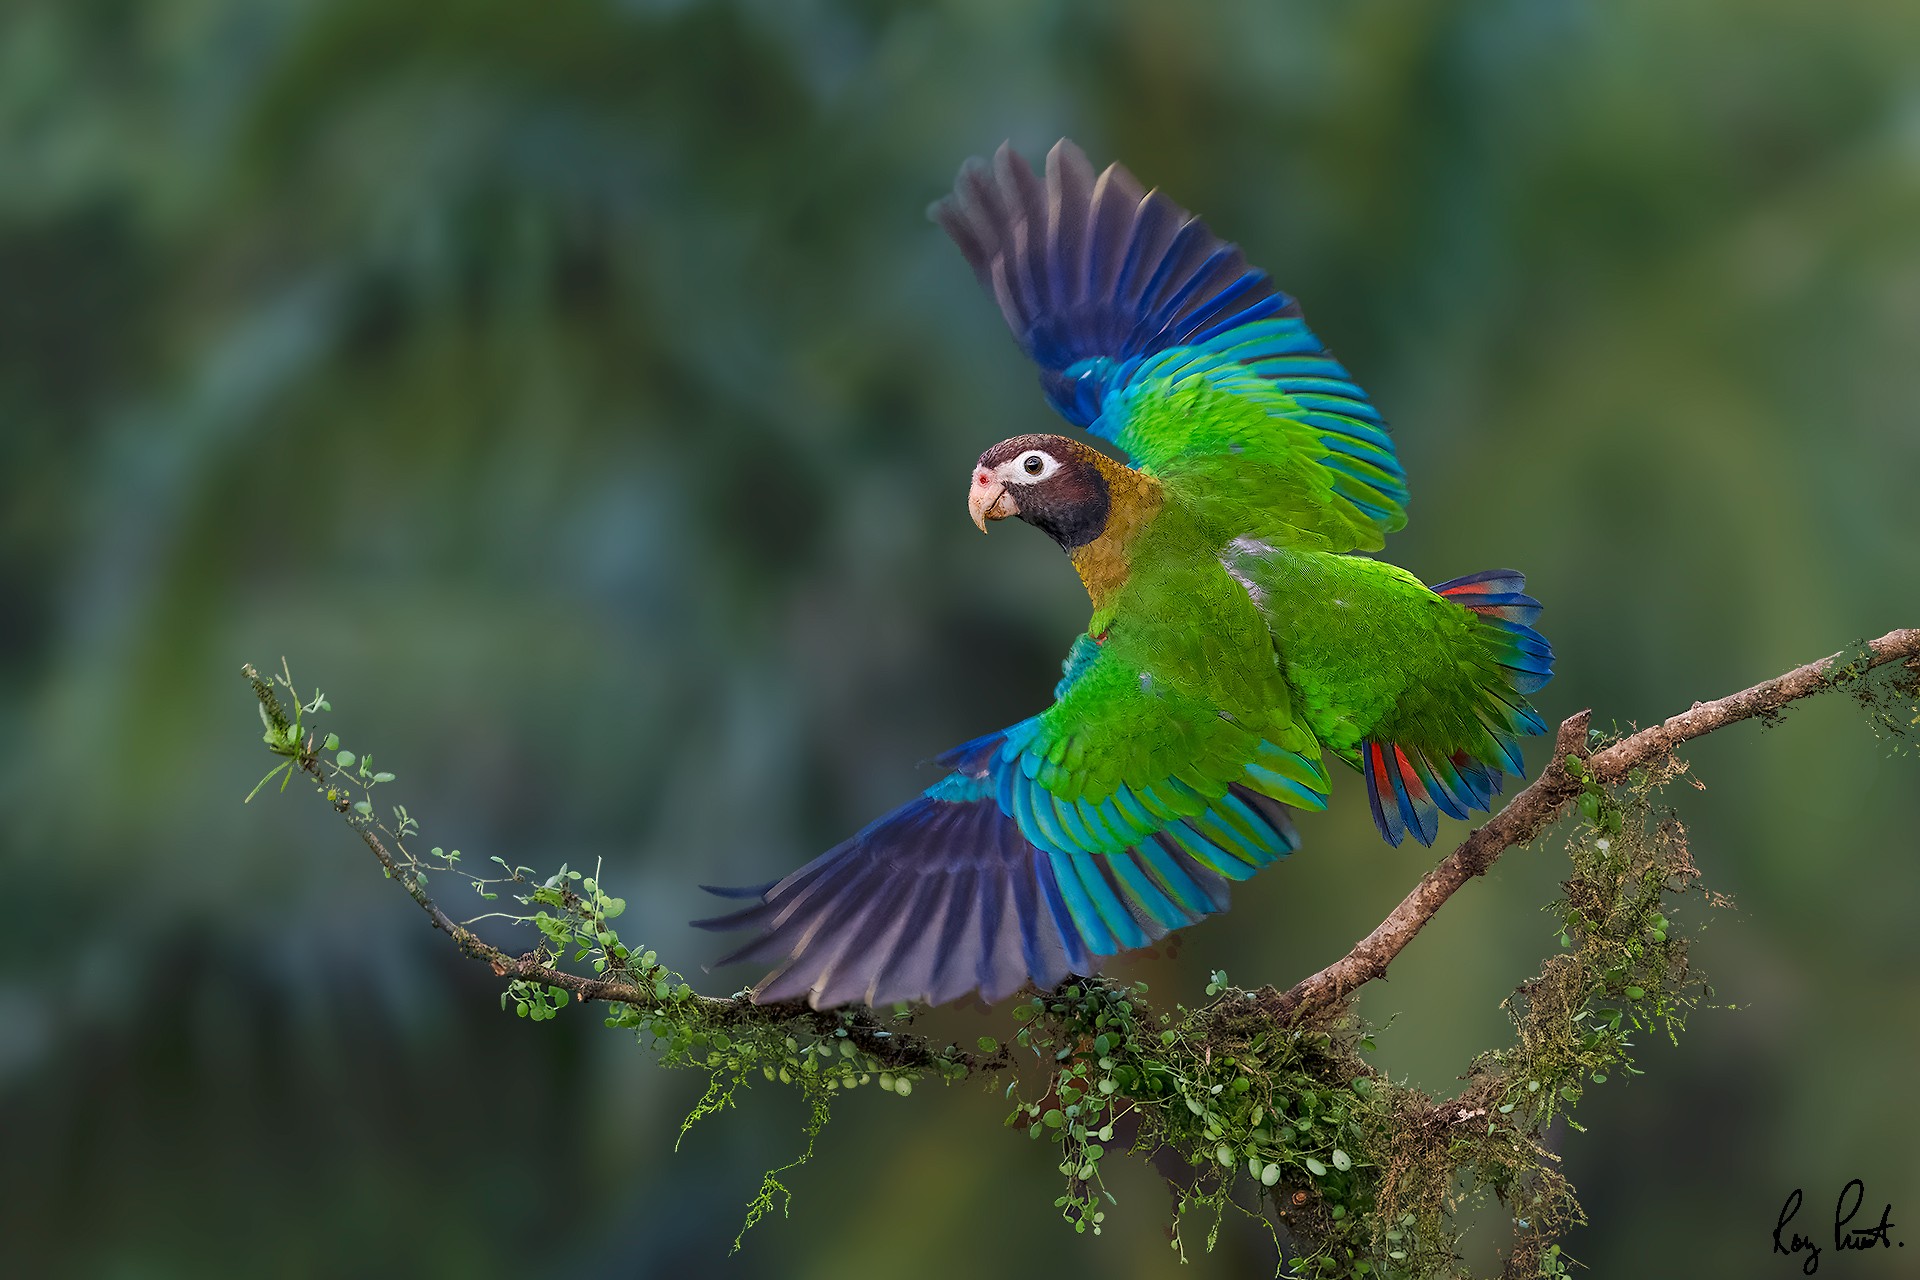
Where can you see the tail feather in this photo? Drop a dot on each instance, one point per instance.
(1499, 597)
(1501, 592)
(1410, 787)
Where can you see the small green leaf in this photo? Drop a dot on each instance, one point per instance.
(345, 759)
(1315, 1168)
(1341, 1160)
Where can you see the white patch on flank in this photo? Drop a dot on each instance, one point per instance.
(1237, 550)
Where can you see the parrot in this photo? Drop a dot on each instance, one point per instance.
(1241, 637)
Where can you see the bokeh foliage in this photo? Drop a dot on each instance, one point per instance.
(588, 384)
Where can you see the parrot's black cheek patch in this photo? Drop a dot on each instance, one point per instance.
(1070, 506)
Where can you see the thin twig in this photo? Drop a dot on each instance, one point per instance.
(888, 1048)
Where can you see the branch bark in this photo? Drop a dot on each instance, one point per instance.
(1540, 804)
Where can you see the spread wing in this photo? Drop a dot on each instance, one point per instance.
(1120, 813)
(1152, 332)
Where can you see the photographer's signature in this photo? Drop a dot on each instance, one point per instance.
(1846, 1236)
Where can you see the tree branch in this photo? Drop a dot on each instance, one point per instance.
(1191, 1088)
(1529, 812)
(1538, 805)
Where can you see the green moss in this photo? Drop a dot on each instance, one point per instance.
(1364, 1175)
(1888, 695)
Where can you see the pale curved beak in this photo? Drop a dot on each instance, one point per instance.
(988, 499)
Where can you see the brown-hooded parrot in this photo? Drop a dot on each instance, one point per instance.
(1236, 640)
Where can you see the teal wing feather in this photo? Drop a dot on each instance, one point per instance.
(1152, 332)
(1250, 460)
(1125, 771)
(1120, 813)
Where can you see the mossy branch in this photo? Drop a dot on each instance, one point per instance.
(1267, 1089)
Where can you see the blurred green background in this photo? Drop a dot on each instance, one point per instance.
(577, 393)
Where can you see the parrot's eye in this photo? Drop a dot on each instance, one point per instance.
(1030, 467)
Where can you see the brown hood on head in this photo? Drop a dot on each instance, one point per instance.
(1054, 484)
(1091, 505)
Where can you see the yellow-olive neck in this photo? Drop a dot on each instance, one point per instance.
(1134, 499)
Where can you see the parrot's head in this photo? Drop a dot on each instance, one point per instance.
(1057, 485)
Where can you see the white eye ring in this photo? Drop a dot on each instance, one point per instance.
(1032, 467)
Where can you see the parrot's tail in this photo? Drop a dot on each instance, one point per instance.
(1410, 787)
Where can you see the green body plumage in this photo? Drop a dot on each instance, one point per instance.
(1371, 652)
(1213, 644)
